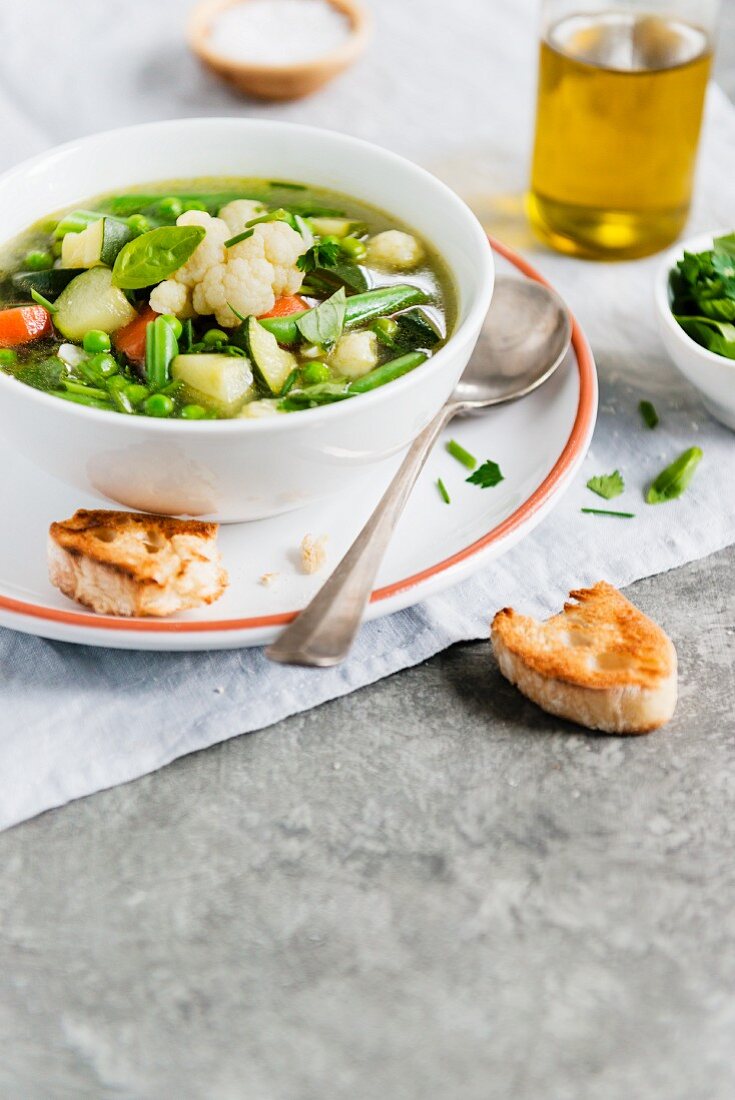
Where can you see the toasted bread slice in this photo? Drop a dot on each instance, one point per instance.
(601, 663)
(125, 563)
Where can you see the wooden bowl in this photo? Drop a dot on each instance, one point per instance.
(278, 82)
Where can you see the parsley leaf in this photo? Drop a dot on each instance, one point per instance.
(322, 254)
(607, 486)
(486, 476)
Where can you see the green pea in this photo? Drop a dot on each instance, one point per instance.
(104, 364)
(158, 405)
(136, 391)
(39, 260)
(174, 323)
(195, 204)
(314, 373)
(193, 412)
(170, 207)
(354, 248)
(215, 337)
(8, 357)
(138, 223)
(96, 341)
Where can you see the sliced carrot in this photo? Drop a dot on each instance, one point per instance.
(285, 306)
(23, 324)
(130, 339)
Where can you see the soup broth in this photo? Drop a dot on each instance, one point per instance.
(219, 298)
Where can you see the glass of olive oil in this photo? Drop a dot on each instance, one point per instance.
(620, 98)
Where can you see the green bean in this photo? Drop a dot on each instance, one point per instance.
(121, 399)
(80, 387)
(83, 399)
(161, 348)
(360, 308)
(388, 372)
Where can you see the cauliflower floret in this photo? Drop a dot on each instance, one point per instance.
(394, 251)
(256, 272)
(244, 284)
(211, 251)
(356, 353)
(172, 297)
(238, 213)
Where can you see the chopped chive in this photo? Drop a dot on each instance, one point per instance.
(236, 312)
(604, 512)
(443, 491)
(649, 414)
(289, 383)
(41, 301)
(286, 186)
(240, 237)
(461, 454)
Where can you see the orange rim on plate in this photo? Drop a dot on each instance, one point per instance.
(566, 460)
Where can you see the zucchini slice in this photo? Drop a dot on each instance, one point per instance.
(272, 363)
(219, 381)
(47, 283)
(91, 301)
(333, 227)
(99, 243)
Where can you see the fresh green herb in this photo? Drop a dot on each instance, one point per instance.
(443, 491)
(672, 482)
(324, 324)
(703, 296)
(41, 301)
(161, 348)
(288, 385)
(605, 512)
(607, 485)
(463, 456)
(388, 372)
(287, 186)
(649, 414)
(486, 476)
(322, 254)
(244, 236)
(154, 256)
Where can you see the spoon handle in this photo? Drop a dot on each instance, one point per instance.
(322, 635)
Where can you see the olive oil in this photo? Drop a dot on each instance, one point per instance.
(619, 113)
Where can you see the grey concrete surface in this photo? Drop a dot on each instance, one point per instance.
(427, 889)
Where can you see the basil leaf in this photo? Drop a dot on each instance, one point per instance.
(323, 325)
(152, 257)
(671, 482)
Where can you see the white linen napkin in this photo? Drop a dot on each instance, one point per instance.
(452, 86)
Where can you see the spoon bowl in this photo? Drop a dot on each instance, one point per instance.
(524, 339)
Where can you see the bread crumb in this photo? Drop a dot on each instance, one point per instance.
(313, 553)
(269, 579)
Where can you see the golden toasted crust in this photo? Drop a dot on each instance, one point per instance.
(125, 563)
(601, 640)
(601, 662)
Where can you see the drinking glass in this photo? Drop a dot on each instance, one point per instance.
(620, 99)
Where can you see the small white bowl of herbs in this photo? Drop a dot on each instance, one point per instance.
(695, 306)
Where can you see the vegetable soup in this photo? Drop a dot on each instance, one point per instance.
(218, 299)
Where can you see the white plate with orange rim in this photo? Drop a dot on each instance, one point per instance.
(539, 443)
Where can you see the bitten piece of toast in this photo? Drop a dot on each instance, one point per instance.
(125, 563)
(601, 663)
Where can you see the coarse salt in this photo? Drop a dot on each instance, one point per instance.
(278, 32)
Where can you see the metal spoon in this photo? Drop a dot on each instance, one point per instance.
(524, 339)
